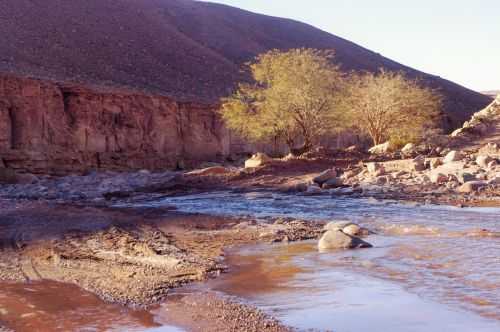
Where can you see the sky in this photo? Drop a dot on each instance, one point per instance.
(456, 39)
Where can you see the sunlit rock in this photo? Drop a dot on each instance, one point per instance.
(257, 160)
(452, 156)
(325, 176)
(339, 240)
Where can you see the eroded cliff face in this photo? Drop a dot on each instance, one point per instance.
(50, 128)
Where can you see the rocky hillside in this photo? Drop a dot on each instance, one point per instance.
(187, 50)
(482, 128)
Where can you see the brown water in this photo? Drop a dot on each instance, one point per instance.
(49, 306)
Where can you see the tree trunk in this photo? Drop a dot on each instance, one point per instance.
(376, 138)
(306, 147)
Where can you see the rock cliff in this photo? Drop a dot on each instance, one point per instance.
(54, 128)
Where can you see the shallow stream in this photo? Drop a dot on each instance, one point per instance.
(432, 268)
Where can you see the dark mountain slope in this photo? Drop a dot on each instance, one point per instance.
(184, 49)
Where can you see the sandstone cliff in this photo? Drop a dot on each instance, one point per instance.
(48, 127)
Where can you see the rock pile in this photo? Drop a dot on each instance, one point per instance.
(481, 121)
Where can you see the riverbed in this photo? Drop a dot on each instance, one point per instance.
(432, 268)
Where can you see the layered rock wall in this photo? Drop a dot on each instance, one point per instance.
(50, 128)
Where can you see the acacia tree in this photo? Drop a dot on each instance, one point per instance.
(293, 98)
(388, 106)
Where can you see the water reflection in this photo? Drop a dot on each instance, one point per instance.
(50, 306)
(315, 295)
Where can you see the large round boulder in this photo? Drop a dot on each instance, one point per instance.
(339, 240)
(325, 176)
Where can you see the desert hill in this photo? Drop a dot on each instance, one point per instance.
(188, 50)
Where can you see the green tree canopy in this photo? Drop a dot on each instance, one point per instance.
(389, 106)
(294, 98)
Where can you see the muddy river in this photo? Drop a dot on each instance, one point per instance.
(432, 268)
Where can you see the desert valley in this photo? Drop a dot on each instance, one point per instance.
(178, 165)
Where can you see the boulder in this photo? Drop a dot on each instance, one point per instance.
(339, 240)
(438, 178)
(483, 160)
(257, 160)
(381, 148)
(333, 183)
(452, 156)
(471, 186)
(347, 227)
(375, 168)
(325, 176)
(409, 148)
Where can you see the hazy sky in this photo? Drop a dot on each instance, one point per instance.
(455, 39)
